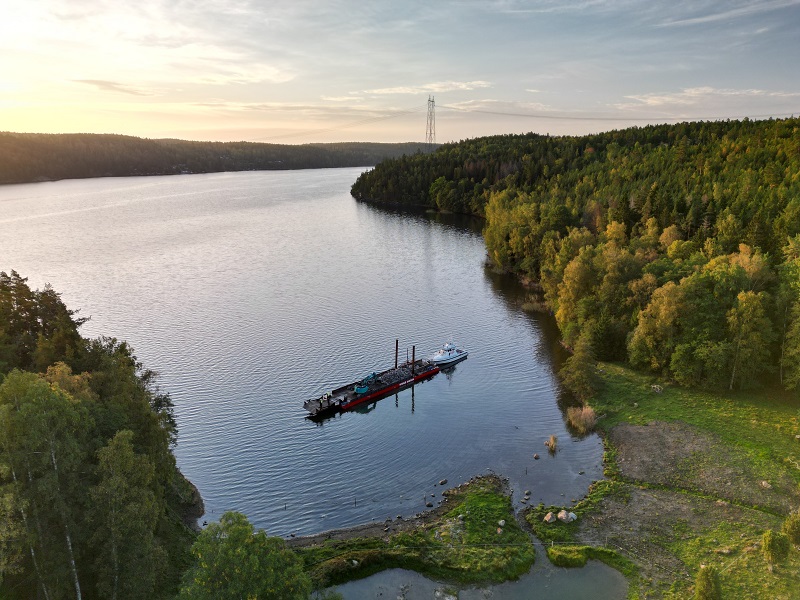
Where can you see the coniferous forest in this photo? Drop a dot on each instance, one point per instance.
(675, 248)
(32, 157)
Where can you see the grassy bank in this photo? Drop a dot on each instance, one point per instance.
(464, 543)
(694, 479)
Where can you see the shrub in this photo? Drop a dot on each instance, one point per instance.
(578, 373)
(582, 418)
(776, 546)
(706, 585)
(791, 527)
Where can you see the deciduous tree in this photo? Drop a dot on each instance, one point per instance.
(232, 561)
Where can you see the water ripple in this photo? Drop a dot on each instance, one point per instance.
(250, 292)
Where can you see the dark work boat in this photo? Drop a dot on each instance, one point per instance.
(371, 387)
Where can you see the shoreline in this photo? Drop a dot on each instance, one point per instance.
(383, 529)
(691, 479)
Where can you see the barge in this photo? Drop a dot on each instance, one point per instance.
(372, 387)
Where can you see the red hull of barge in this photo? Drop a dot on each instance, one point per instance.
(388, 390)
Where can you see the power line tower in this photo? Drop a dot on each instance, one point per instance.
(430, 129)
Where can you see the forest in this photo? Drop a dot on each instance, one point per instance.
(674, 248)
(35, 157)
(92, 504)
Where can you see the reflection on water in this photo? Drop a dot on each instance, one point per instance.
(595, 581)
(251, 292)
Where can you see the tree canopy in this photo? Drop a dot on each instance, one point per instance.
(232, 561)
(90, 497)
(674, 247)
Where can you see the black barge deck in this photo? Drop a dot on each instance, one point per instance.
(372, 387)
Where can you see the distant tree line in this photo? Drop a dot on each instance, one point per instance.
(91, 501)
(673, 247)
(32, 157)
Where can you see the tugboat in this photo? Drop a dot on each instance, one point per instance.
(448, 355)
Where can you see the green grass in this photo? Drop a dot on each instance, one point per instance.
(576, 556)
(761, 427)
(465, 545)
(760, 424)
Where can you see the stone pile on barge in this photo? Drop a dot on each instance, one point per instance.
(372, 387)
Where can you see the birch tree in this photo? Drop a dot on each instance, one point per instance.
(124, 513)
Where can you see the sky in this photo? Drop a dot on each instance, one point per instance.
(299, 71)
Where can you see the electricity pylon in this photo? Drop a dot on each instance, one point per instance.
(430, 129)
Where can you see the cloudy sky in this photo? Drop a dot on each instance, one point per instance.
(295, 71)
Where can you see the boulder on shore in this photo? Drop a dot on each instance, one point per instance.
(549, 518)
(564, 516)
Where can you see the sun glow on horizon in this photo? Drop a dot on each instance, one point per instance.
(237, 70)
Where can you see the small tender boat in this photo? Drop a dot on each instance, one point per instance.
(448, 355)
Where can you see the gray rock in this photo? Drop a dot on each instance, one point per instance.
(564, 517)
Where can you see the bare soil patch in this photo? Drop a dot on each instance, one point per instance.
(680, 456)
(647, 527)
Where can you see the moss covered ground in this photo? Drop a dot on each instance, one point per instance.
(464, 544)
(695, 478)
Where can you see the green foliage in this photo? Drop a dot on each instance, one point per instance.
(643, 239)
(36, 328)
(791, 349)
(568, 556)
(88, 495)
(776, 546)
(706, 584)
(576, 556)
(465, 545)
(234, 561)
(125, 513)
(791, 527)
(579, 371)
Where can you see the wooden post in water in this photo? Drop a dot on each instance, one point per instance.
(413, 358)
(396, 351)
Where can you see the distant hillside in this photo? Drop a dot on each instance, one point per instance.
(31, 157)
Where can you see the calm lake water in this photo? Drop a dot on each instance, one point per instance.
(250, 292)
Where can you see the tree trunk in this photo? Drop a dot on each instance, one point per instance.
(72, 566)
(32, 549)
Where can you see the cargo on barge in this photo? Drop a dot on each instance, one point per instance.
(372, 387)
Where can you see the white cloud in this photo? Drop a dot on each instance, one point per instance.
(515, 7)
(341, 98)
(726, 13)
(442, 86)
(113, 86)
(698, 96)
